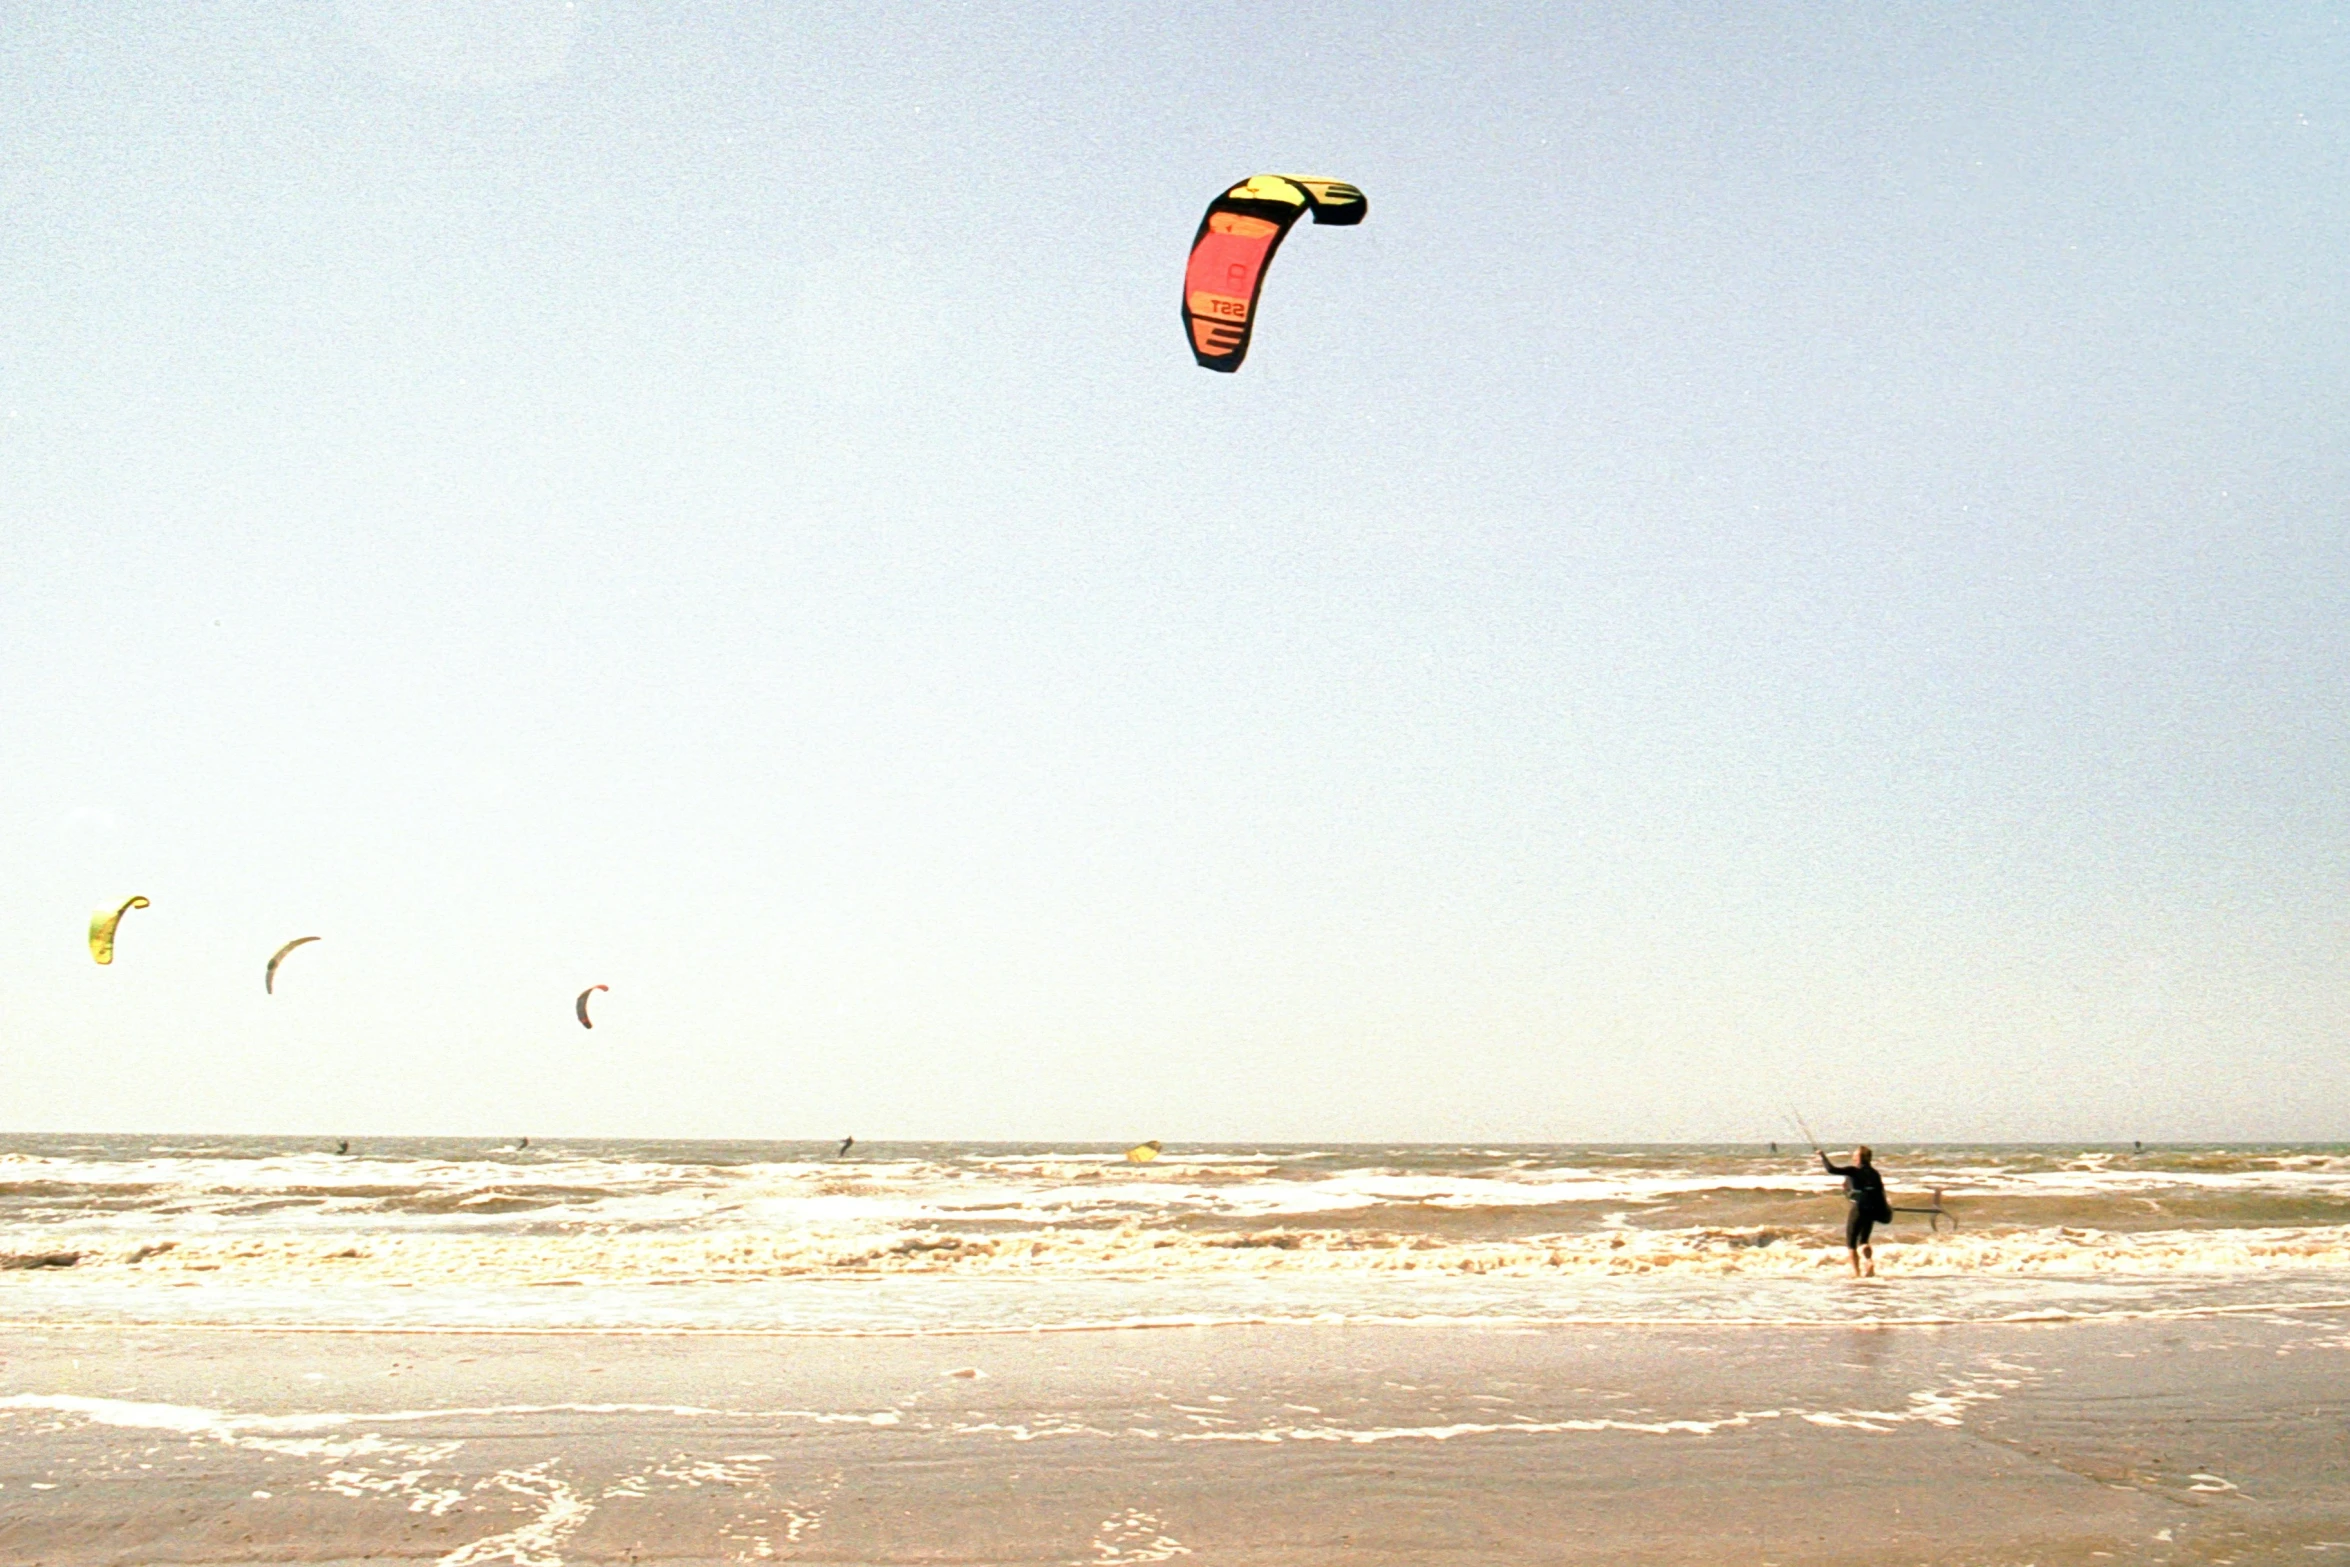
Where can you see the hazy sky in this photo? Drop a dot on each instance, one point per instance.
(1801, 554)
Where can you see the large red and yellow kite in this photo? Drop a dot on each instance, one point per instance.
(1235, 244)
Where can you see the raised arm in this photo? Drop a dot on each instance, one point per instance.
(1836, 1169)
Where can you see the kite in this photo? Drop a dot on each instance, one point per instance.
(580, 1006)
(269, 976)
(1143, 1153)
(102, 929)
(1235, 243)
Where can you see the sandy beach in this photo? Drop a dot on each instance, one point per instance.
(2197, 1439)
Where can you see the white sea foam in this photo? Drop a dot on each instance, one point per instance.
(190, 1420)
(203, 1190)
(556, 1500)
(927, 1238)
(1131, 1251)
(419, 1471)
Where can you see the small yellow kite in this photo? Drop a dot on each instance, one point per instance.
(102, 929)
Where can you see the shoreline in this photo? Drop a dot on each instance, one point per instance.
(2171, 1442)
(1428, 1323)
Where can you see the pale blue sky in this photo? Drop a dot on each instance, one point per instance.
(1799, 554)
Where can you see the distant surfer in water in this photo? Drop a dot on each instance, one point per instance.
(1864, 1189)
(344, 1146)
(846, 1144)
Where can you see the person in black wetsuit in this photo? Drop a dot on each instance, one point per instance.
(1864, 1189)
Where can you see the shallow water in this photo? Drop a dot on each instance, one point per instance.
(2183, 1443)
(932, 1237)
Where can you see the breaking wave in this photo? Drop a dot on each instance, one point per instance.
(932, 1235)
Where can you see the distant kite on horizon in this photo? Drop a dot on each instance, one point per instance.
(1234, 246)
(1143, 1153)
(269, 975)
(102, 926)
(580, 1006)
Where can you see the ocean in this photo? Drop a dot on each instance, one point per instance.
(914, 1238)
(261, 1349)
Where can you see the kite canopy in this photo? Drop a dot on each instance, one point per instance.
(580, 1006)
(1234, 245)
(269, 976)
(1143, 1153)
(102, 929)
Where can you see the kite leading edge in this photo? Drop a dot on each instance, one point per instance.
(269, 976)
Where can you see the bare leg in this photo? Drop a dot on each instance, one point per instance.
(1869, 1252)
(1855, 1261)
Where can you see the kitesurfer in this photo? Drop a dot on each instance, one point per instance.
(1864, 1189)
(846, 1144)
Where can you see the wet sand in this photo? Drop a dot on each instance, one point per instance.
(2216, 1439)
